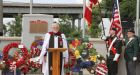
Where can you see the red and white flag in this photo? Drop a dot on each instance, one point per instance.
(88, 11)
(116, 21)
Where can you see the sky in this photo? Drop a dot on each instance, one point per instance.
(48, 1)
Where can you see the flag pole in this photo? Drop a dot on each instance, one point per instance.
(101, 18)
(31, 6)
(84, 5)
(102, 25)
(118, 9)
(1, 17)
(137, 18)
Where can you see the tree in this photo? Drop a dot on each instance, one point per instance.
(66, 27)
(128, 9)
(14, 27)
(95, 30)
(106, 6)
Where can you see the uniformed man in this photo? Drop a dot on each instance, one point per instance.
(114, 46)
(130, 54)
(53, 39)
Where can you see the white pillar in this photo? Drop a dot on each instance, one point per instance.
(84, 6)
(31, 6)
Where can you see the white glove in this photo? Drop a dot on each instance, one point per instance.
(116, 57)
(104, 37)
(134, 58)
(103, 61)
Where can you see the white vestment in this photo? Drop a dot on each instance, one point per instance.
(45, 65)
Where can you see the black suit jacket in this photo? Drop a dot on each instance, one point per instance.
(131, 49)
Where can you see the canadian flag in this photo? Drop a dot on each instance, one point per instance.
(88, 11)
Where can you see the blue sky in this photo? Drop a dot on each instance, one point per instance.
(49, 1)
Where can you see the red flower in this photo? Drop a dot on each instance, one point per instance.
(35, 51)
(89, 45)
(66, 65)
(67, 73)
(6, 50)
(76, 43)
(25, 69)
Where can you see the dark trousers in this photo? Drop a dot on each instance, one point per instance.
(112, 67)
(131, 67)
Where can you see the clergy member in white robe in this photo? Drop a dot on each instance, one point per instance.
(54, 39)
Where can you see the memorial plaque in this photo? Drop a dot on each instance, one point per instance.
(34, 27)
(38, 26)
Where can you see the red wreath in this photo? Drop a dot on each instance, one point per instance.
(19, 62)
(35, 51)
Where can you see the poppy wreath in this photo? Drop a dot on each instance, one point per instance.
(21, 60)
(35, 51)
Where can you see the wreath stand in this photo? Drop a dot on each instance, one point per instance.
(15, 71)
(0, 72)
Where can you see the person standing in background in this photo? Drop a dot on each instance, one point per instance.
(114, 45)
(130, 54)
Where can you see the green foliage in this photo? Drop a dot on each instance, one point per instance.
(128, 9)
(106, 6)
(81, 47)
(95, 30)
(14, 28)
(67, 28)
(92, 52)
